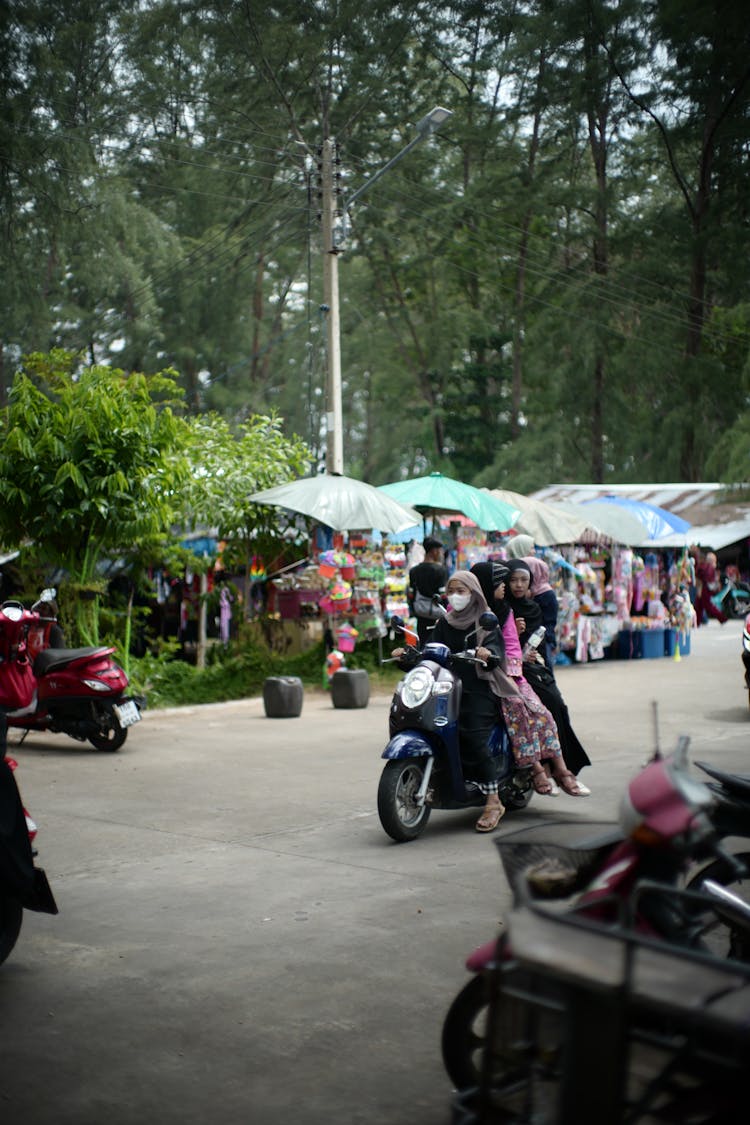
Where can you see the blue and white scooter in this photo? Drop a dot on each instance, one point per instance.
(423, 769)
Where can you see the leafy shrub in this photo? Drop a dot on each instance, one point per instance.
(239, 673)
(169, 682)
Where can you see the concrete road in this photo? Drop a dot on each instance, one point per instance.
(238, 941)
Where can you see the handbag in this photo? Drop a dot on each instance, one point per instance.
(424, 607)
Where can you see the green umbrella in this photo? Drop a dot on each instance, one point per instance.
(440, 495)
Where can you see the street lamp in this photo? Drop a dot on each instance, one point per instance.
(334, 413)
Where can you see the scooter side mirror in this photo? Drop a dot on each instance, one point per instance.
(438, 606)
(488, 620)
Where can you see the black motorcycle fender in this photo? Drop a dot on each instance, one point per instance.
(19, 878)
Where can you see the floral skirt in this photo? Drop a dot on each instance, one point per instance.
(531, 728)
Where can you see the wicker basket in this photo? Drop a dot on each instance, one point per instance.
(555, 859)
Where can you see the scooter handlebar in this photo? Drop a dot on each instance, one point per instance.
(469, 656)
(733, 862)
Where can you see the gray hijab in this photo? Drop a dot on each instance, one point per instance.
(466, 619)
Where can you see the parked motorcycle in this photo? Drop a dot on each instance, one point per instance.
(22, 885)
(746, 652)
(593, 1021)
(80, 692)
(730, 816)
(733, 599)
(423, 768)
(666, 826)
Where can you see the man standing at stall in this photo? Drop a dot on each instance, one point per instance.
(425, 580)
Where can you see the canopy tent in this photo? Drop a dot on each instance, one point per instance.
(657, 521)
(547, 524)
(604, 521)
(714, 536)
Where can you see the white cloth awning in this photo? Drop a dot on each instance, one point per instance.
(711, 535)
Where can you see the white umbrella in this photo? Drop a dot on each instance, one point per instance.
(606, 520)
(545, 523)
(342, 503)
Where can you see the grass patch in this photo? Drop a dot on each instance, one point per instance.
(238, 673)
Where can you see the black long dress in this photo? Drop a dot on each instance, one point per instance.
(480, 709)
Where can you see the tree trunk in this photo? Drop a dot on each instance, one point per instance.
(200, 652)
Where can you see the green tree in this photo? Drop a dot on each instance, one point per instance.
(228, 466)
(91, 461)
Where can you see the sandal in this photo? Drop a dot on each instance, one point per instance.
(490, 818)
(570, 784)
(543, 783)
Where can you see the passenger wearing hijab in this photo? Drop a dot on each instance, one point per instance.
(530, 725)
(519, 546)
(528, 616)
(546, 598)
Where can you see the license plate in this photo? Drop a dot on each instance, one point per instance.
(127, 714)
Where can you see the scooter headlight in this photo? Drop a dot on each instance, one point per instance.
(416, 688)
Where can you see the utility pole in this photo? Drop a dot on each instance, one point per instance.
(334, 413)
(329, 196)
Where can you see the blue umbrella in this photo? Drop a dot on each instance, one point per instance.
(658, 522)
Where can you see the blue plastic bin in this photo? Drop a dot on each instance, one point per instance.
(652, 643)
(629, 645)
(670, 639)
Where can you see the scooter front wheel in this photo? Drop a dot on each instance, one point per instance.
(739, 605)
(402, 818)
(464, 1034)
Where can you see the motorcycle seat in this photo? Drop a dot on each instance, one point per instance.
(734, 782)
(52, 658)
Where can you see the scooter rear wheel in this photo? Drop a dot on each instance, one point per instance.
(112, 739)
(11, 916)
(402, 818)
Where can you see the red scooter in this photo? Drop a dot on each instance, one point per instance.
(79, 692)
(22, 885)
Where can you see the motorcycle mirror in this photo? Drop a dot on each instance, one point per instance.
(48, 595)
(437, 602)
(488, 620)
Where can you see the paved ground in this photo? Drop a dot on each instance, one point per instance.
(238, 941)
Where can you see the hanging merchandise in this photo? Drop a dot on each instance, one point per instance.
(335, 661)
(346, 637)
(396, 582)
(225, 615)
(622, 582)
(297, 592)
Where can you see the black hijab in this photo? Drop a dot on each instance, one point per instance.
(524, 607)
(490, 576)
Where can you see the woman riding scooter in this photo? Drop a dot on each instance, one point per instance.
(479, 711)
(486, 691)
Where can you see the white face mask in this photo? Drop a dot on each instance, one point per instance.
(459, 601)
